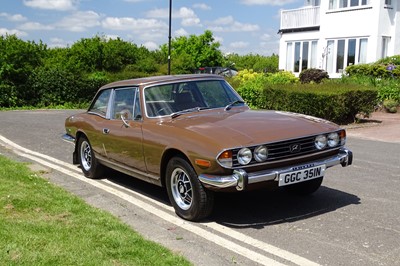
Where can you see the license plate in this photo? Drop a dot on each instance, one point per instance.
(302, 175)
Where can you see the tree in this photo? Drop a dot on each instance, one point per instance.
(189, 53)
(18, 59)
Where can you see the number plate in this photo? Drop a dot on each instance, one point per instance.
(302, 175)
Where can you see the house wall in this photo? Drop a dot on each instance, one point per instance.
(372, 21)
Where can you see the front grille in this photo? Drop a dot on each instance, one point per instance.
(283, 150)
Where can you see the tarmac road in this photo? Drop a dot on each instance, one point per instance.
(353, 219)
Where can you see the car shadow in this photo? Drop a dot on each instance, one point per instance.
(252, 209)
(257, 209)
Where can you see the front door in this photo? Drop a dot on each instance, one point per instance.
(122, 137)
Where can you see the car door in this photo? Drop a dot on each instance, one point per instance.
(122, 135)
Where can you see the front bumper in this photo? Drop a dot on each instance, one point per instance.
(240, 178)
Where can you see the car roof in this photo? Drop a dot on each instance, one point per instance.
(159, 79)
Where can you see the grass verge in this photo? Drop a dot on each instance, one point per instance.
(41, 224)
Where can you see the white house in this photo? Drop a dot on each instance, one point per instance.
(333, 34)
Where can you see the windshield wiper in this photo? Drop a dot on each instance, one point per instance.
(229, 106)
(195, 109)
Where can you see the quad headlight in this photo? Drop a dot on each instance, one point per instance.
(320, 142)
(333, 139)
(244, 156)
(261, 154)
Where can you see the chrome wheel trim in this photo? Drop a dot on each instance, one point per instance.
(86, 155)
(181, 189)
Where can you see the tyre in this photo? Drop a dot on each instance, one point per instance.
(305, 188)
(189, 198)
(91, 168)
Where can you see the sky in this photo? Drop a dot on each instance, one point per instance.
(240, 26)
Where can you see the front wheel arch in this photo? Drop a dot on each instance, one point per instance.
(167, 156)
(190, 199)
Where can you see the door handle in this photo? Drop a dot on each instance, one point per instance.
(106, 131)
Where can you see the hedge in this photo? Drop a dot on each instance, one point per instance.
(339, 103)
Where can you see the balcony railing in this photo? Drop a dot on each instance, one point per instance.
(300, 18)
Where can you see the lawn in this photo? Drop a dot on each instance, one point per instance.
(41, 224)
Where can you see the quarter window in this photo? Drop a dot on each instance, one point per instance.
(100, 104)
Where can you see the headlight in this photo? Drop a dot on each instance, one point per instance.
(320, 142)
(333, 140)
(261, 154)
(244, 156)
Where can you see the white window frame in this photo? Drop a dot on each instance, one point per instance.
(360, 56)
(312, 52)
(342, 4)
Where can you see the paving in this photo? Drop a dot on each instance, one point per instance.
(379, 126)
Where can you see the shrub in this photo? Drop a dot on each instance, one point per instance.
(390, 105)
(8, 95)
(282, 77)
(334, 102)
(313, 75)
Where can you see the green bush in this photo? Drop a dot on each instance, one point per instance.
(282, 77)
(334, 102)
(390, 106)
(8, 95)
(313, 75)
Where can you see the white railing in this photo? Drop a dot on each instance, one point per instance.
(300, 18)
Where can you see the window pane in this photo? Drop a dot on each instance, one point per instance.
(351, 52)
(332, 4)
(137, 112)
(123, 103)
(340, 56)
(342, 3)
(364, 2)
(385, 46)
(297, 57)
(100, 105)
(313, 60)
(353, 2)
(304, 63)
(289, 57)
(330, 55)
(362, 56)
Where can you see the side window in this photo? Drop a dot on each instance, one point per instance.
(124, 100)
(100, 104)
(137, 112)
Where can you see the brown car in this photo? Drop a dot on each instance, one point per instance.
(195, 135)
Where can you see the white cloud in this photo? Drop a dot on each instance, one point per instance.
(151, 45)
(228, 24)
(34, 26)
(188, 22)
(132, 24)
(265, 37)
(14, 18)
(201, 6)
(188, 16)
(61, 5)
(267, 2)
(18, 33)
(80, 21)
(218, 39)
(239, 45)
(181, 32)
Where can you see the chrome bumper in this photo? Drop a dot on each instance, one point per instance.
(68, 138)
(240, 178)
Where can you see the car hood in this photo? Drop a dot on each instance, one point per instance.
(235, 128)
